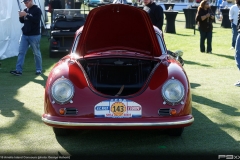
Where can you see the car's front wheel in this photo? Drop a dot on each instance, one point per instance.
(175, 131)
(60, 131)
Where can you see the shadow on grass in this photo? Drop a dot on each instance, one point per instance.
(187, 35)
(202, 140)
(225, 56)
(199, 140)
(228, 110)
(195, 63)
(10, 86)
(10, 107)
(194, 85)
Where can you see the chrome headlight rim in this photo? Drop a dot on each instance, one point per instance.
(166, 86)
(60, 81)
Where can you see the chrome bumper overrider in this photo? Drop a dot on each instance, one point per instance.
(116, 124)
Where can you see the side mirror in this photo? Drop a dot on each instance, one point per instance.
(179, 53)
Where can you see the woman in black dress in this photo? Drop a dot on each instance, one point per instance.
(205, 17)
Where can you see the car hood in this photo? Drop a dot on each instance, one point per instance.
(118, 27)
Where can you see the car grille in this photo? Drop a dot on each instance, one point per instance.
(164, 112)
(71, 111)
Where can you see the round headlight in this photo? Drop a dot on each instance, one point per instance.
(173, 91)
(62, 90)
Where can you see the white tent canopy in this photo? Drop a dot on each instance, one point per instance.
(10, 27)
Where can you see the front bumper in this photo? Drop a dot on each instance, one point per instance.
(170, 122)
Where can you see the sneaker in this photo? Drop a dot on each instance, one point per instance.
(38, 72)
(209, 52)
(237, 84)
(16, 73)
(232, 48)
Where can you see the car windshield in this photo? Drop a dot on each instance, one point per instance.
(161, 43)
(69, 14)
(75, 44)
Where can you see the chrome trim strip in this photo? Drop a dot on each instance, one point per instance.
(116, 124)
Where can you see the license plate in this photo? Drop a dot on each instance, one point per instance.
(118, 108)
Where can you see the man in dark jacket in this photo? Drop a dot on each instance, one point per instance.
(155, 12)
(30, 17)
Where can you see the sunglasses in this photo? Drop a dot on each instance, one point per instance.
(207, 4)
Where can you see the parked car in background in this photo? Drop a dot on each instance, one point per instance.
(95, 3)
(119, 75)
(92, 3)
(64, 24)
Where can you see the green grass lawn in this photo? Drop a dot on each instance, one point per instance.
(216, 107)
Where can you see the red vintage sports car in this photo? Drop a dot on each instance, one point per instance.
(119, 75)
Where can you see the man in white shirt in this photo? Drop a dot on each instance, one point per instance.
(233, 17)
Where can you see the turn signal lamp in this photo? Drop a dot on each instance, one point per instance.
(62, 111)
(173, 111)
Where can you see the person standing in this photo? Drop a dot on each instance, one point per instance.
(155, 12)
(237, 45)
(67, 4)
(30, 17)
(218, 3)
(46, 2)
(233, 17)
(205, 17)
(54, 4)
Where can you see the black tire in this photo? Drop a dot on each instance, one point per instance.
(60, 131)
(51, 54)
(175, 132)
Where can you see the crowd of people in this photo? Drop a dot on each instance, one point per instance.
(31, 17)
